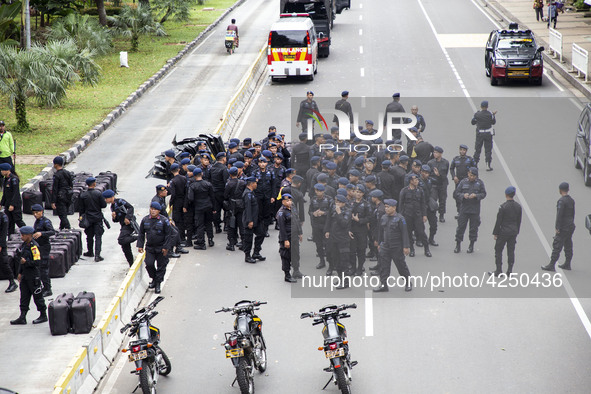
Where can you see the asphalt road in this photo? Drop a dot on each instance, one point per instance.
(511, 340)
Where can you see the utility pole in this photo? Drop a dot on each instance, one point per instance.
(26, 18)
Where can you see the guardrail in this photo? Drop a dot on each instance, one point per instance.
(555, 43)
(239, 101)
(580, 61)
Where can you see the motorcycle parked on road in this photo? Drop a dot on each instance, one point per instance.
(245, 346)
(230, 41)
(150, 360)
(336, 345)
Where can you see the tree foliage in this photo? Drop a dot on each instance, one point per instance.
(85, 31)
(133, 22)
(8, 28)
(179, 9)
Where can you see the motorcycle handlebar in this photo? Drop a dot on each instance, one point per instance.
(305, 315)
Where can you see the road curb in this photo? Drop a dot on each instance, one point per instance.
(504, 15)
(79, 146)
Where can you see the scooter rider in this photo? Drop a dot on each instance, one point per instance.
(232, 26)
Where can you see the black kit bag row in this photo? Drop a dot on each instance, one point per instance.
(59, 314)
(57, 263)
(68, 256)
(81, 316)
(89, 295)
(30, 198)
(76, 235)
(110, 177)
(70, 244)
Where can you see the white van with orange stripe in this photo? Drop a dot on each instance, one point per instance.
(293, 47)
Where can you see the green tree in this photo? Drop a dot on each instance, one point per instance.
(85, 31)
(180, 9)
(49, 8)
(102, 13)
(8, 28)
(43, 73)
(133, 22)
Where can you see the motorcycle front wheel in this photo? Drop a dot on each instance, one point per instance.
(147, 380)
(164, 366)
(342, 381)
(245, 378)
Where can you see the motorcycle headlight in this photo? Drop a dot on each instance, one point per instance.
(500, 63)
(536, 62)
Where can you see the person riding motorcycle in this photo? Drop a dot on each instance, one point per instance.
(232, 26)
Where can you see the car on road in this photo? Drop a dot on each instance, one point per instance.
(583, 144)
(513, 54)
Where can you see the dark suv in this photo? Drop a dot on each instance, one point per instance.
(583, 144)
(513, 54)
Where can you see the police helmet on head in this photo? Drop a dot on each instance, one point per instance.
(58, 160)
(377, 193)
(473, 170)
(26, 230)
(391, 202)
(564, 186)
(233, 171)
(37, 208)
(239, 164)
(426, 168)
(343, 181)
(510, 190)
(341, 198)
(169, 153)
(174, 167)
(5, 167)
(108, 193)
(464, 146)
(197, 171)
(156, 205)
(320, 187)
(89, 181)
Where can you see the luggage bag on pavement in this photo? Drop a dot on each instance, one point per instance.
(30, 198)
(68, 256)
(81, 316)
(88, 295)
(59, 314)
(57, 264)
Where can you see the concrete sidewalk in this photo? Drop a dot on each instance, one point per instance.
(574, 27)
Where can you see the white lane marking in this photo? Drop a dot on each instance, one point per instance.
(360, 17)
(368, 313)
(361, 49)
(360, 5)
(362, 72)
(360, 32)
(164, 79)
(251, 106)
(363, 102)
(569, 290)
(463, 40)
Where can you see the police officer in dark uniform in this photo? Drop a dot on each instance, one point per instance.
(387, 181)
(394, 244)
(320, 206)
(91, 204)
(252, 222)
(564, 228)
(360, 217)
(178, 190)
(202, 197)
(169, 160)
(122, 212)
(399, 172)
(156, 233)
(469, 193)
(189, 208)
(413, 207)
(11, 199)
(266, 192)
(505, 231)
(290, 236)
(218, 176)
(307, 108)
(394, 106)
(160, 198)
(459, 168)
(484, 121)
(336, 230)
(43, 230)
(5, 267)
(233, 196)
(344, 106)
(29, 257)
(430, 198)
(61, 196)
(440, 170)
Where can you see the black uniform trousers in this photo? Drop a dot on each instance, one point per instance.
(432, 218)
(27, 287)
(234, 231)
(125, 240)
(487, 140)
(189, 221)
(154, 256)
(203, 224)
(463, 219)
(510, 241)
(416, 224)
(339, 257)
(320, 241)
(44, 272)
(179, 221)
(385, 257)
(564, 239)
(61, 208)
(441, 195)
(259, 236)
(15, 217)
(358, 247)
(4, 265)
(265, 212)
(94, 237)
(218, 205)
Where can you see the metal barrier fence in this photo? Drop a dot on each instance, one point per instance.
(580, 60)
(555, 43)
(239, 101)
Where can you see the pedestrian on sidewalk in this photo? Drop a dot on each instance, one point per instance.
(7, 145)
(539, 8)
(552, 14)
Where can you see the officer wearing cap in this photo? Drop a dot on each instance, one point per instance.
(43, 231)
(387, 180)
(505, 231)
(307, 109)
(11, 199)
(344, 106)
(5, 266)
(201, 196)
(156, 233)
(183, 169)
(233, 152)
(360, 217)
(246, 145)
(424, 150)
(62, 191)
(329, 191)
(337, 231)
(122, 212)
(29, 257)
(484, 121)
(92, 203)
(440, 169)
(266, 193)
(394, 244)
(394, 107)
(253, 223)
(564, 228)
(7, 145)
(377, 210)
(169, 159)
(218, 176)
(459, 168)
(311, 174)
(399, 172)
(178, 189)
(290, 236)
(469, 193)
(413, 206)
(320, 206)
(235, 207)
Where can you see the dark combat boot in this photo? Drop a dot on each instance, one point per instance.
(12, 286)
(427, 251)
(470, 247)
(458, 248)
(41, 319)
(22, 319)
